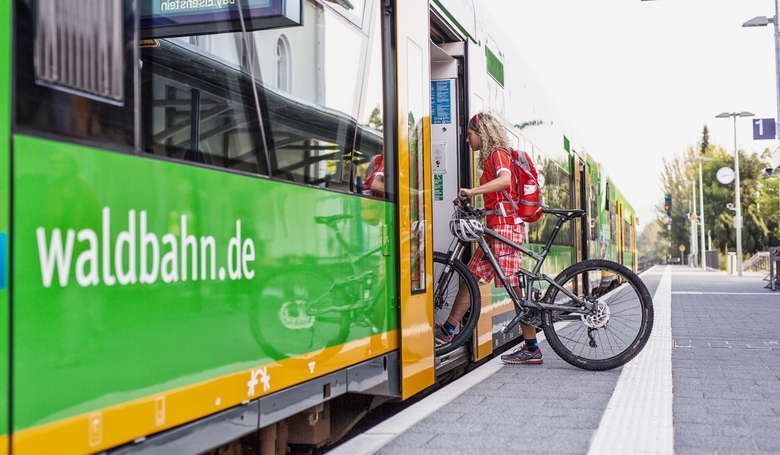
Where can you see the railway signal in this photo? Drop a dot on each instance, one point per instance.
(668, 204)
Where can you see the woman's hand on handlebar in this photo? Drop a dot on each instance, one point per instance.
(464, 194)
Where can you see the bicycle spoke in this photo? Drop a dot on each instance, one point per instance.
(606, 336)
(611, 314)
(616, 336)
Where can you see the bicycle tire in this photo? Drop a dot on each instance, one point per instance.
(471, 317)
(633, 348)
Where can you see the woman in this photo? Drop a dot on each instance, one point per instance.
(487, 135)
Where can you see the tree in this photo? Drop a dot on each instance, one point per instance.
(761, 218)
(651, 247)
(705, 141)
(375, 120)
(674, 230)
(768, 204)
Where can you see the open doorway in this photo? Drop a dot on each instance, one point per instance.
(450, 155)
(450, 162)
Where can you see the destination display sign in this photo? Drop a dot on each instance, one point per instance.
(165, 18)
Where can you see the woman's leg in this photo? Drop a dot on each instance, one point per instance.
(460, 306)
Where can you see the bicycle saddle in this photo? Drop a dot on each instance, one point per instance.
(333, 219)
(566, 213)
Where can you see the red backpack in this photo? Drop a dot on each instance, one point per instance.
(529, 204)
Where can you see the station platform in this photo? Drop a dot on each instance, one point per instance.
(708, 381)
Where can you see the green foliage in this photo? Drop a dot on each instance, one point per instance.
(768, 206)
(651, 246)
(760, 205)
(705, 140)
(375, 120)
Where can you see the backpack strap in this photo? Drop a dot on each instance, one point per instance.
(524, 162)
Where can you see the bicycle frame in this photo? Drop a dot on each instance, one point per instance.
(531, 276)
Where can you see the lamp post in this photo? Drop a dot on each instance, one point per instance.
(737, 198)
(694, 246)
(701, 206)
(763, 21)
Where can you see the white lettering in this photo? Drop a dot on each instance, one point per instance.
(234, 260)
(247, 257)
(138, 255)
(128, 275)
(208, 256)
(191, 243)
(149, 239)
(54, 255)
(170, 260)
(108, 278)
(88, 257)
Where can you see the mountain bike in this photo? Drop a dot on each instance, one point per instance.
(596, 314)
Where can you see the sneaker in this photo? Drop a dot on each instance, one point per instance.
(522, 356)
(441, 335)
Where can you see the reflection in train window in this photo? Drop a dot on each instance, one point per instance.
(224, 101)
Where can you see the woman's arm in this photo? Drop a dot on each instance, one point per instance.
(496, 185)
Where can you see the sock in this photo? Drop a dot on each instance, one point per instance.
(531, 345)
(448, 328)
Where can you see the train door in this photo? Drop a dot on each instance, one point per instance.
(450, 155)
(444, 141)
(582, 190)
(414, 196)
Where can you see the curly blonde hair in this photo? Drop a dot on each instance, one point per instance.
(491, 133)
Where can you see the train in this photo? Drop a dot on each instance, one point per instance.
(189, 259)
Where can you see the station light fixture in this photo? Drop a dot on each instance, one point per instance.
(759, 21)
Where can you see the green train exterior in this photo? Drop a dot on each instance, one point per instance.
(185, 245)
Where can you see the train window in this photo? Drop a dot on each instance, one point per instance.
(556, 192)
(308, 117)
(593, 206)
(199, 109)
(368, 156)
(77, 81)
(314, 123)
(415, 102)
(627, 231)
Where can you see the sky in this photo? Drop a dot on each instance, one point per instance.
(638, 80)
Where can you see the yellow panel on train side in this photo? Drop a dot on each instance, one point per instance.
(414, 197)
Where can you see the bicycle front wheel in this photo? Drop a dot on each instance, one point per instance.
(613, 334)
(448, 277)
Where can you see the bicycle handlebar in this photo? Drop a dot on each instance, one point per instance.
(464, 206)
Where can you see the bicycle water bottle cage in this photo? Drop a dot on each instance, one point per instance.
(466, 230)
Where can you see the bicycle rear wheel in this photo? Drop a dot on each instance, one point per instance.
(447, 276)
(616, 332)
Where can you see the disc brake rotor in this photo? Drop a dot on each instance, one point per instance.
(597, 319)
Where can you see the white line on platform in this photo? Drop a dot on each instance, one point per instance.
(768, 294)
(638, 418)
